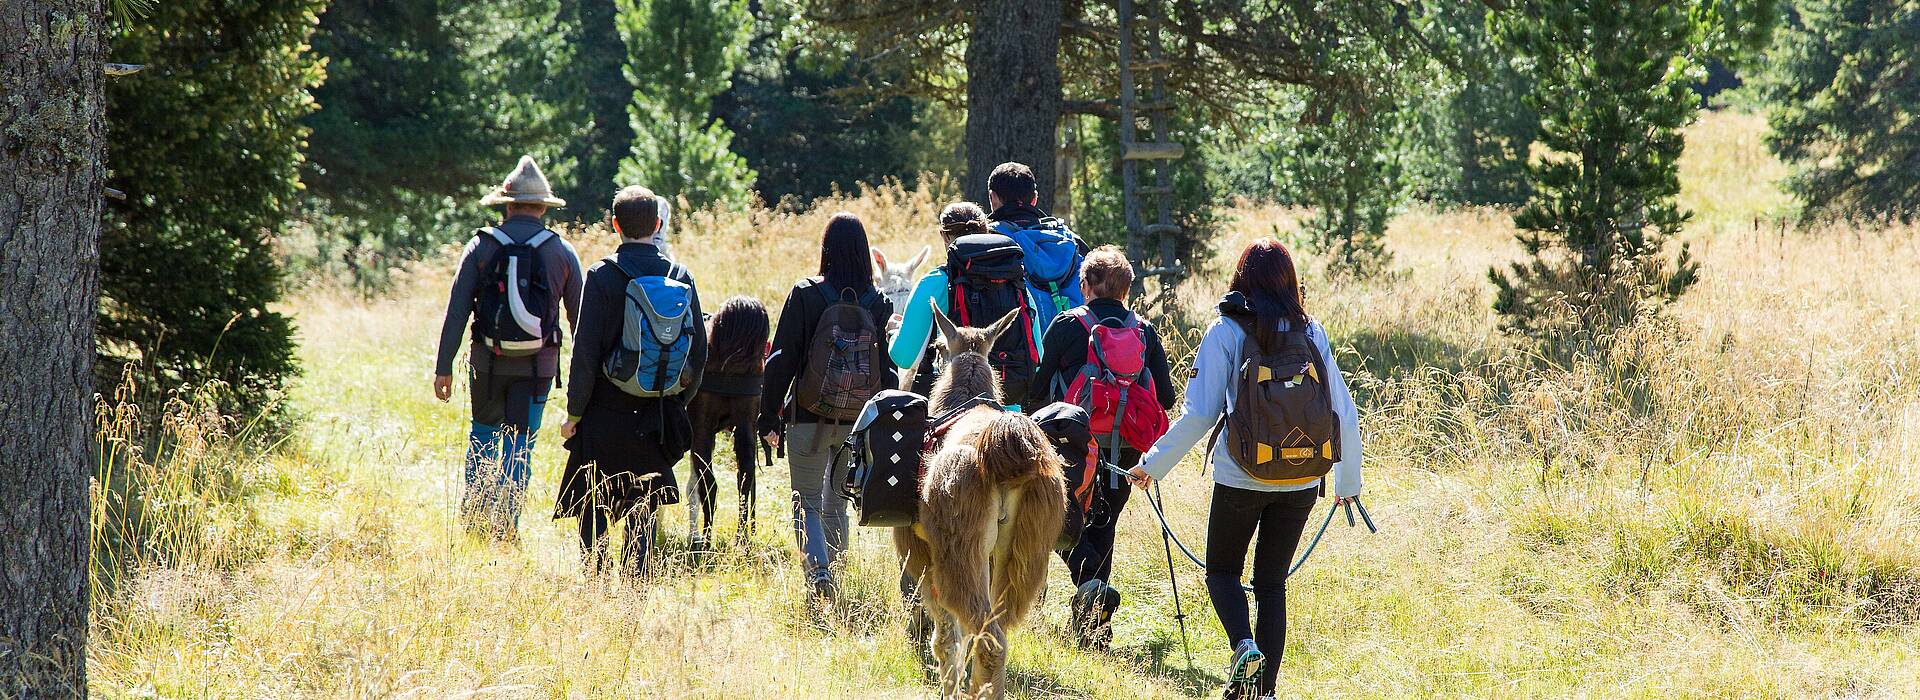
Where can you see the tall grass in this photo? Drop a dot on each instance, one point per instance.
(1723, 500)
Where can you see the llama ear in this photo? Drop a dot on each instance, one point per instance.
(879, 261)
(920, 259)
(949, 334)
(1001, 326)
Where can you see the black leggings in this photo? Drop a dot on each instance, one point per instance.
(1279, 516)
(1092, 557)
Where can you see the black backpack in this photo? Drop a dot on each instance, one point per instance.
(1070, 431)
(885, 447)
(987, 279)
(515, 313)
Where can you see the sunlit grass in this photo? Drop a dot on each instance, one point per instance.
(1728, 505)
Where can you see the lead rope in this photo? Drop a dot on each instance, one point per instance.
(1351, 507)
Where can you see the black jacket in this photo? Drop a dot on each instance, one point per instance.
(602, 315)
(1024, 215)
(1065, 352)
(791, 340)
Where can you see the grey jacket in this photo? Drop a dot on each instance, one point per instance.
(562, 268)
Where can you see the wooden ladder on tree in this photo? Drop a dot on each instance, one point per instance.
(1151, 246)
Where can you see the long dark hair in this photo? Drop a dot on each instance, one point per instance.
(1267, 278)
(738, 342)
(846, 261)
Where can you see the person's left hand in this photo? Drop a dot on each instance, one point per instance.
(568, 428)
(1139, 477)
(1343, 500)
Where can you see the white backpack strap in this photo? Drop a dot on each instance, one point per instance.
(498, 235)
(541, 238)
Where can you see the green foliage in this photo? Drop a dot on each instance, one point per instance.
(206, 143)
(595, 91)
(1100, 216)
(1613, 94)
(1469, 131)
(680, 54)
(427, 102)
(805, 120)
(1843, 104)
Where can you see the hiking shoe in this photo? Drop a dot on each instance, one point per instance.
(821, 588)
(1081, 610)
(1243, 674)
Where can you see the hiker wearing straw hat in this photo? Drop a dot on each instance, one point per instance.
(513, 279)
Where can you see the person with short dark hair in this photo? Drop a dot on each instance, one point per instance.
(1107, 279)
(623, 446)
(1263, 300)
(509, 377)
(1054, 253)
(819, 506)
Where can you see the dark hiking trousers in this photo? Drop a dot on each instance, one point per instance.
(1235, 516)
(1092, 557)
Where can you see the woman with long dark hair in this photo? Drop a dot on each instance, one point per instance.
(828, 358)
(1266, 477)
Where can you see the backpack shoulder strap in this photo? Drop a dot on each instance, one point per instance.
(541, 238)
(497, 235)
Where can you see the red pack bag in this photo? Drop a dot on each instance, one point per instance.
(1114, 385)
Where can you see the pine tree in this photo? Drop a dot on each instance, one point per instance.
(1613, 95)
(680, 54)
(1844, 102)
(207, 145)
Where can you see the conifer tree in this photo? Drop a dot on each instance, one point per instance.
(681, 53)
(1845, 99)
(1613, 91)
(207, 144)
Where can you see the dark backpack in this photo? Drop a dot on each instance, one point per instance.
(1053, 255)
(986, 277)
(1282, 429)
(1067, 426)
(885, 448)
(515, 313)
(843, 367)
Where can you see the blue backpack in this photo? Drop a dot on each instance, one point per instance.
(656, 336)
(1053, 258)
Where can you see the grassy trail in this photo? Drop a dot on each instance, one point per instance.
(1713, 529)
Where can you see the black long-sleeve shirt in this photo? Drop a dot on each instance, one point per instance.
(1064, 352)
(791, 340)
(602, 316)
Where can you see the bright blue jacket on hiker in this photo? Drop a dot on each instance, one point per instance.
(1053, 254)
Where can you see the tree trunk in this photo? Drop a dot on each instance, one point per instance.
(1013, 92)
(599, 57)
(51, 169)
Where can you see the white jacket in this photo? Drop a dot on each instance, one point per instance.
(1211, 392)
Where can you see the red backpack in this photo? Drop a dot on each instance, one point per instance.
(1114, 385)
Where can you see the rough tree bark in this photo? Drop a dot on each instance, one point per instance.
(51, 168)
(1013, 91)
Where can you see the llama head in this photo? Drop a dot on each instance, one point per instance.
(896, 280)
(960, 341)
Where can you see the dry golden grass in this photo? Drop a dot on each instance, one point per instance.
(1727, 505)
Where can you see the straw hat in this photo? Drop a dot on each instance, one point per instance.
(525, 185)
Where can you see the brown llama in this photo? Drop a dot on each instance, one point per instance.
(991, 504)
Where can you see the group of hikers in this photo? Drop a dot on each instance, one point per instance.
(652, 378)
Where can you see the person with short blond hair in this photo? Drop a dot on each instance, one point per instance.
(1107, 274)
(1106, 277)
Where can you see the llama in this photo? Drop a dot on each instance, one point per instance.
(729, 399)
(991, 505)
(896, 281)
